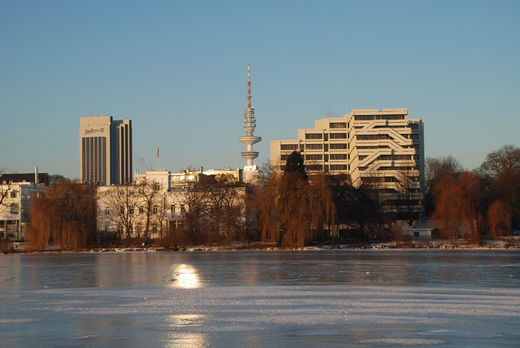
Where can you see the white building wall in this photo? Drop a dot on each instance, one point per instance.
(15, 209)
(374, 147)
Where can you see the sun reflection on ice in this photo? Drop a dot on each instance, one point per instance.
(185, 277)
(179, 337)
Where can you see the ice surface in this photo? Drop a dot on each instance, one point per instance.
(160, 300)
(428, 315)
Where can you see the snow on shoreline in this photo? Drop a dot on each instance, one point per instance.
(240, 247)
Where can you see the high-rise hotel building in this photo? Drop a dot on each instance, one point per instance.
(381, 149)
(105, 150)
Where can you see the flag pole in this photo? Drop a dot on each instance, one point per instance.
(158, 163)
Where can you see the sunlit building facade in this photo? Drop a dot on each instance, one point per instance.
(381, 149)
(105, 150)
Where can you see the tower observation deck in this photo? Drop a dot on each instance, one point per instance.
(249, 126)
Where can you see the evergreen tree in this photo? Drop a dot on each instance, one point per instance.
(295, 165)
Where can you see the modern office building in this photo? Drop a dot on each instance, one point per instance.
(105, 150)
(381, 149)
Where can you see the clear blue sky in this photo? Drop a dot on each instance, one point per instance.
(178, 70)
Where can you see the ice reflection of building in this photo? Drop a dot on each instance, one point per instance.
(170, 204)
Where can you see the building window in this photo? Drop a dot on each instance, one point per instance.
(14, 208)
(338, 135)
(313, 136)
(183, 210)
(338, 146)
(314, 167)
(313, 157)
(338, 156)
(107, 211)
(122, 210)
(338, 125)
(13, 194)
(293, 147)
(131, 211)
(364, 117)
(313, 146)
(141, 210)
(338, 167)
(154, 209)
(172, 209)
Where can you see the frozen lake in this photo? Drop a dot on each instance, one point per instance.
(262, 299)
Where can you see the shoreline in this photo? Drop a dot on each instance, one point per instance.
(511, 244)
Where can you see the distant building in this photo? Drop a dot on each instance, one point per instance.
(105, 150)
(15, 207)
(169, 206)
(380, 149)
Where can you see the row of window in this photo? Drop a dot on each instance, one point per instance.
(338, 125)
(326, 136)
(332, 146)
(154, 210)
(326, 168)
(378, 117)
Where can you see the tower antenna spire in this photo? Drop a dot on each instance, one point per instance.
(249, 126)
(248, 86)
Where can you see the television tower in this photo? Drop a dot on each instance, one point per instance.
(249, 126)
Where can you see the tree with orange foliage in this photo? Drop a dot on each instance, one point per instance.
(498, 219)
(65, 215)
(291, 211)
(456, 205)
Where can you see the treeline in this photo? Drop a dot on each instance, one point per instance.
(287, 209)
(483, 203)
(291, 209)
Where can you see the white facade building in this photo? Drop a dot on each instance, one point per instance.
(168, 207)
(381, 149)
(15, 207)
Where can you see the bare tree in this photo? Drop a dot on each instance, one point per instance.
(191, 201)
(159, 215)
(502, 167)
(223, 209)
(121, 203)
(409, 202)
(4, 190)
(150, 200)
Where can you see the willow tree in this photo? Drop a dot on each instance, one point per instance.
(65, 215)
(498, 219)
(456, 205)
(291, 211)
